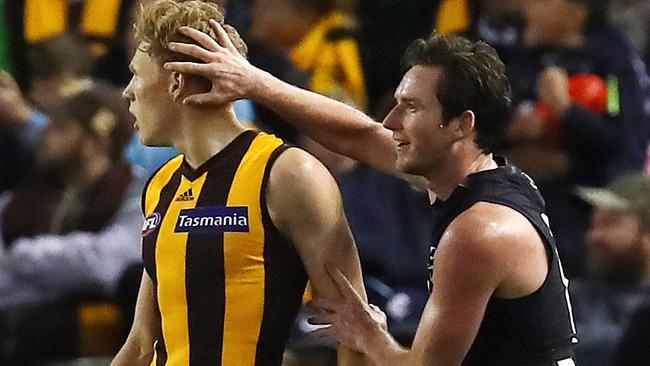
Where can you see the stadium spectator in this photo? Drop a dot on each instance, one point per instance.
(497, 22)
(633, 348)
(329, 53)
(631, 16)
(101, 24)
(386, 28)
(580, 116)
(73, 226)
(19, 122)
(618, 267)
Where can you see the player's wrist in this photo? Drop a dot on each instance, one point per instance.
(264, 87)
(382, 349)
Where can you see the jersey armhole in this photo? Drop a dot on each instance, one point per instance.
(266, 217)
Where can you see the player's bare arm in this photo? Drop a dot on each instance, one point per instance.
(139, 346)
(304, 202)
(333, 124)
(486, 251)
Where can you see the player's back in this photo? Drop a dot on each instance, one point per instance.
(228, 285)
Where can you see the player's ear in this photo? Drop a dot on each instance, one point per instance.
(465, 124)
(176, 85)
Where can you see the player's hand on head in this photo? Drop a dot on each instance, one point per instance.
(350, 319)
(232, 76)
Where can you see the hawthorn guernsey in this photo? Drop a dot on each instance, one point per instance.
(213, 219)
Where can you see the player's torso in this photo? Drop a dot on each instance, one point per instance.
(227, 284)
(515, 331)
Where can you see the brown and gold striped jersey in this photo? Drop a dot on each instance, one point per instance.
(228, 285)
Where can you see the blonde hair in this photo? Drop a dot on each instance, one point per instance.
(159, 23)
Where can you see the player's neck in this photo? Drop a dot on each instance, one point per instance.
(456, 172)
(205, 132)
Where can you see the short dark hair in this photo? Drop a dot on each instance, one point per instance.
(473, 78)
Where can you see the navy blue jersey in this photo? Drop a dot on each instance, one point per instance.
(536, 329)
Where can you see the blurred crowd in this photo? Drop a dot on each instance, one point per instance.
(72, 168)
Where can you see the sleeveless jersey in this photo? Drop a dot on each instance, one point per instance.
(228, 285)
(537, 329)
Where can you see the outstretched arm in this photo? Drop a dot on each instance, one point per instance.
(305, 204)
(333, 124)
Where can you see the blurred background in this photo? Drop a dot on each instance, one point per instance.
(72, 169)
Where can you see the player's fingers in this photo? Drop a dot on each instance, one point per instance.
(191, 50)
(222, 36)
(204, 99)
(342, 283)
(201, 38)
(189, 68)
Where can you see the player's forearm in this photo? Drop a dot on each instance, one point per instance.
(348, 357)
(335, 125)
(384, 350)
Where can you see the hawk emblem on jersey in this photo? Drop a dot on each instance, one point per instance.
(213, 220)
(150, 223)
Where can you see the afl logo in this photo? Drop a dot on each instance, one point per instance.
(150, 223)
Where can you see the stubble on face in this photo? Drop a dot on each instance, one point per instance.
(420, 142)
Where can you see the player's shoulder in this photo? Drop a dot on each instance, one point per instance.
(295, 166)
(300, 189)
(488, 227)
(297, 179)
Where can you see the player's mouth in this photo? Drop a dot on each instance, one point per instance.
(401, 144)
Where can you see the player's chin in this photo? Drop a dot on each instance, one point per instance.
(153, 141)
(147, 140)
(402, 164)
